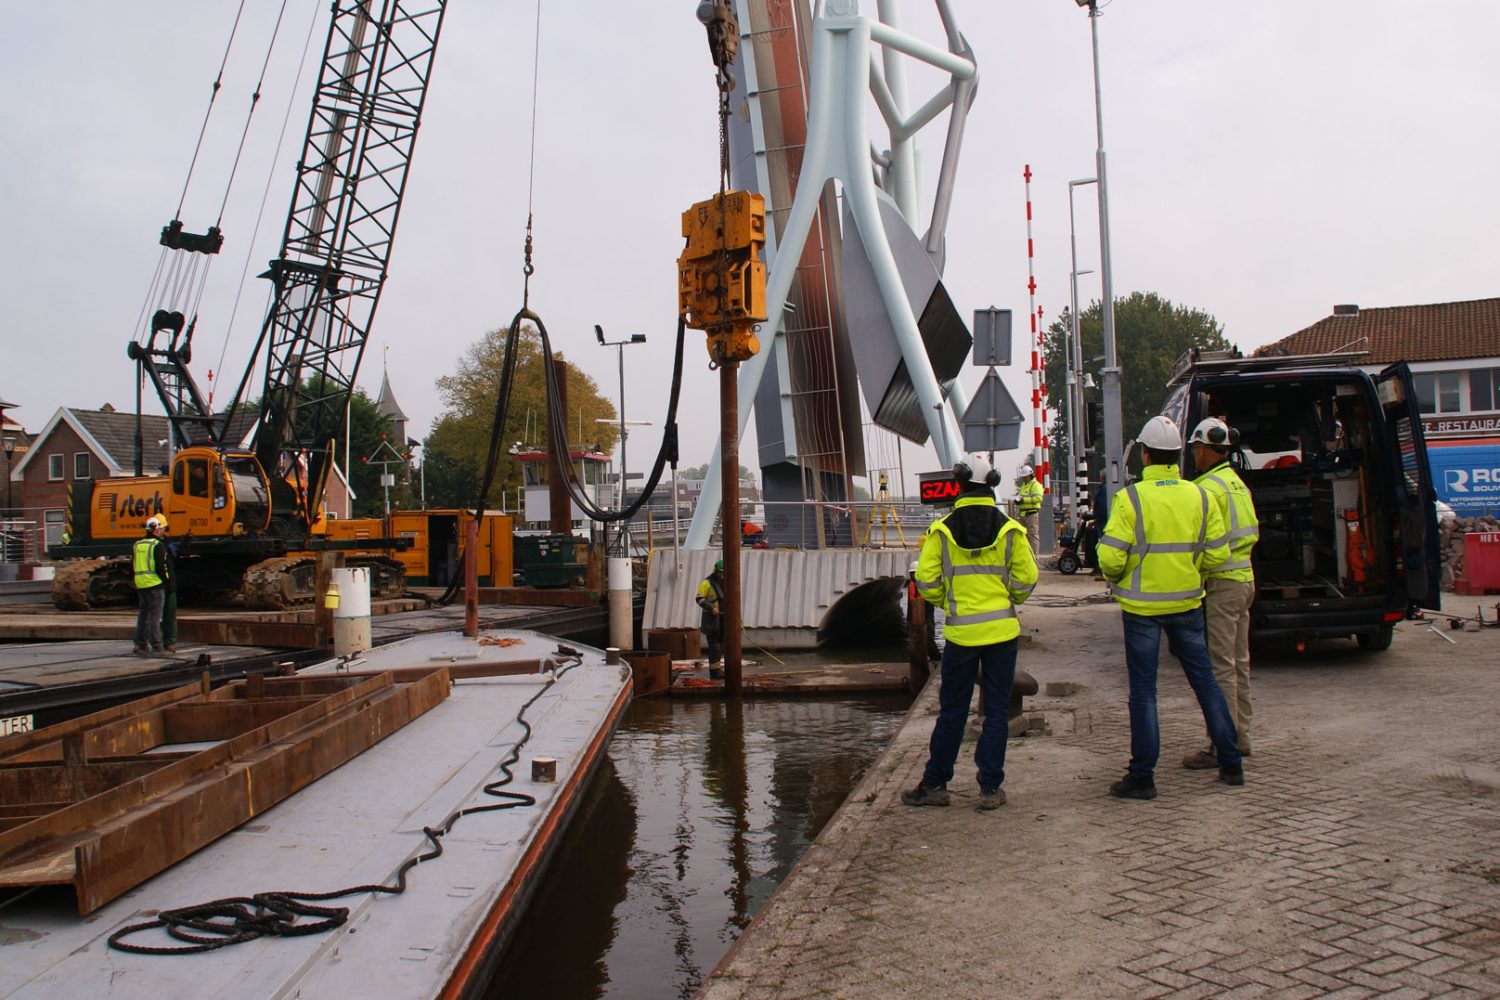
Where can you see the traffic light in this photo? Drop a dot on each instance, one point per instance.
(1095, 424)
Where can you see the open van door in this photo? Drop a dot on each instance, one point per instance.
(1414, 490)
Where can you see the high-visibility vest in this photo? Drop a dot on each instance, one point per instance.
(711, 591)
(1030, 497)
(144, 555)
(977, 588)
(1242, 528)
(1162, 532)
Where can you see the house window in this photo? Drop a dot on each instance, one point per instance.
(80, 465)
(1439, 392)
(1484, 389)
(54, 467)
(55, 522)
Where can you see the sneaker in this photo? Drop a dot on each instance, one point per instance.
(922, 795)
(1201, 760)
(1134, 787)
(1232, 775)
(992, 798)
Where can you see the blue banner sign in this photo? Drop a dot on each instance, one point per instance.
(1466, 474)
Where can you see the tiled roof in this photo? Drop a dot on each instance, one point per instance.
(1445, 331)
(115, 432)
(386, 405)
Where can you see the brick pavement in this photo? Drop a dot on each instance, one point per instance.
(1362, 857)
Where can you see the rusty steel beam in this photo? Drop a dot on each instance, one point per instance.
(281, 635)
(125, 817)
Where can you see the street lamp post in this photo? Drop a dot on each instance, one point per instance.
(1075, 360)
(619, 346)
(10, 453)
(1113, 433)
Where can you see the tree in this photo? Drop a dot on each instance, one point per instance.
(459, 443)
(701, 472)
(1150, 335)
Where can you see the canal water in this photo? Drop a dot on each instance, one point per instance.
(701, 810)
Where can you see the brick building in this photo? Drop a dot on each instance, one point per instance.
(1453, 349)
(78, 445)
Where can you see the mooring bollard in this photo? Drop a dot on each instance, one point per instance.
(351, 617)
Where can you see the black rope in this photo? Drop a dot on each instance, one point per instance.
(233, 920)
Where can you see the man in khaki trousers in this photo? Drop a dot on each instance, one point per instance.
(1228, 590)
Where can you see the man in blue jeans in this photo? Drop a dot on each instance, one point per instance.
(977, 565)
(1163, 532)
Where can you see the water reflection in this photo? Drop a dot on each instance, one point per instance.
(699, 814)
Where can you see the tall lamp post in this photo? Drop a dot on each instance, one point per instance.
(10, 452)
(619, 346)
(1075, 363)
(1113, 433)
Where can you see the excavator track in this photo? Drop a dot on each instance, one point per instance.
(291, 581)
(83, 584)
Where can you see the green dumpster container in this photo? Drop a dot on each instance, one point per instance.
(550, 560)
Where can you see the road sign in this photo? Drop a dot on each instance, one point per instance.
(991, 337)
(993, 421)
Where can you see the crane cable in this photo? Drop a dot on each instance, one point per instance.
(557, 436)
(208, 112)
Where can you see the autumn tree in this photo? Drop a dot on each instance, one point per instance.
(457, 448)
(1150, 335)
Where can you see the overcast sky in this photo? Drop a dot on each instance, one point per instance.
(1267, 159)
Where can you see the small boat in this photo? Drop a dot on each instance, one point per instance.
(429, 806)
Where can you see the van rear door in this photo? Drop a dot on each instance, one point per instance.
(1415, 493)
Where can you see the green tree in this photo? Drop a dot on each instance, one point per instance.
(701, 472)
(459, 442)
(1150, 335)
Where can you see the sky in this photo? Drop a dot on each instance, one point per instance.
(1266, 160)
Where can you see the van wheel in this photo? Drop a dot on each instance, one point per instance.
(1067, 564)
(1374, 642)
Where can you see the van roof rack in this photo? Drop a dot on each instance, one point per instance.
(1197, 361)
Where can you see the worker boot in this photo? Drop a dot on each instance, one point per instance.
(1232, 775)
(1201, 760)
(925, 795)
(1133, 786)
(990, 798)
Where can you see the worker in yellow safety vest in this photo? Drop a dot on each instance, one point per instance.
(1029, 505)
(711, 601)
(976, 566)
(148, 562)
(1163, 533)
(1228, 590)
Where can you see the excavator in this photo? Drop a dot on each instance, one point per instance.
(244, 506)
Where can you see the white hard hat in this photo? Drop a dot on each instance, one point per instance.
(976, 469)
(156, 521)
(1024, 471)
(1215, 432)
(1161, 434)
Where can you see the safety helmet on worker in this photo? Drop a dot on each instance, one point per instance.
(1160, 433)
(1024, 471)
(156, 521)
(976, 470)
(1215, 433)
(718, 565)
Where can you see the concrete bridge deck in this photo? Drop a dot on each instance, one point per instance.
(1361, 858)
(789, 597)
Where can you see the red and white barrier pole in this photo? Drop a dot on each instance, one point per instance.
(1038, 410)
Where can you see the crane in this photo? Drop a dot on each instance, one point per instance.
(243, 516)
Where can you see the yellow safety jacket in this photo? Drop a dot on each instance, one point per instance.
(710, 595)
(1242, 528)
(1030, 497)
(978, 588)
(1162, 533)
(144, 556)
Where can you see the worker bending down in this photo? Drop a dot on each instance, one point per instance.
(977, 566)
